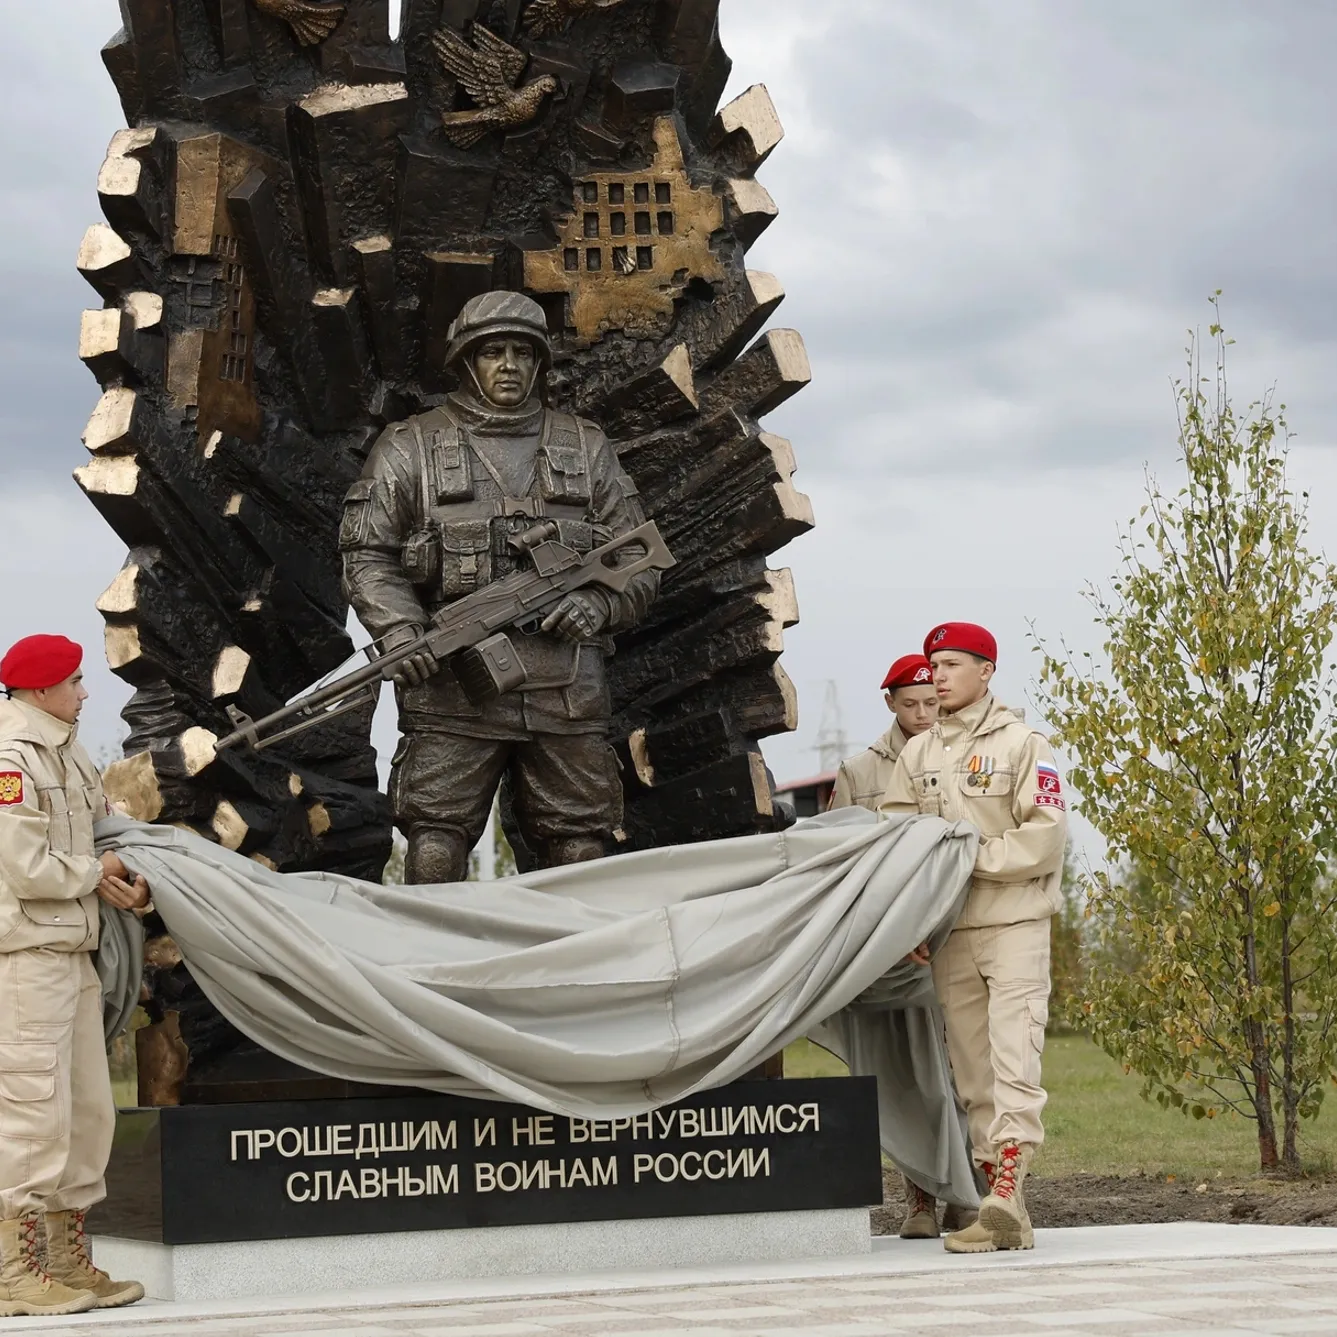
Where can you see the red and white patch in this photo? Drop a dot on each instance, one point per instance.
(922, 675)
(1046, 778)
(11, 788)
(1051, 801)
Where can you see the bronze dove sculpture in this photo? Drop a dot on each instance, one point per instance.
(545, 17)
(310, 23)
(489, 72)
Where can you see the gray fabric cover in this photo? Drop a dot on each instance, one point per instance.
(119, 961)
(600, 990)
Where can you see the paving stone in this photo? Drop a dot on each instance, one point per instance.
(1137, 1291)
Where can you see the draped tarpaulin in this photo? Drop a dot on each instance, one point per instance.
(600, 990)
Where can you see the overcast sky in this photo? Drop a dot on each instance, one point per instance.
(997, 222)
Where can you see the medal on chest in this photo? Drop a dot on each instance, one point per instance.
(981, 772)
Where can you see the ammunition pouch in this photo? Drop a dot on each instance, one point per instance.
(421, 558)
(562, 470)
(466, 557)
(450, 558)
(488, 669)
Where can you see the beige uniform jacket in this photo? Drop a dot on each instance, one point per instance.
(862, 780)
(1020, 811)
(50, 796)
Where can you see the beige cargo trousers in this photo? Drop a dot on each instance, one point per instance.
(986, 766)
(57, 1115)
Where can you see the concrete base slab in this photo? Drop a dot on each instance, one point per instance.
(887, 1260)
(191, 1273)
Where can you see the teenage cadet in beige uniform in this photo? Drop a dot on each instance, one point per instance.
(980, 763)
(56, 1109)
(861, 783)
(913, 700)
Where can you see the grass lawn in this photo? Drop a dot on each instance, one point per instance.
(1097, 1123)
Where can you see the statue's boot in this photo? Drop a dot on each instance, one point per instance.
(25, 1286)
(921, 1213)
(574, 849)
(436, 854)
(1003, 1213)
(68, 1262)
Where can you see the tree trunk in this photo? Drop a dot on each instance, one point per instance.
(1268, 1160)
(1290, 1096)
(1255, 1036)
(1290, 1149)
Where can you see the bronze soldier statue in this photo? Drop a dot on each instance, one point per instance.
(432, 519)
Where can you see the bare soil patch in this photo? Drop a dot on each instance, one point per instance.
(1116, 1200)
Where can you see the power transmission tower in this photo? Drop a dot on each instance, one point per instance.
(832, 747)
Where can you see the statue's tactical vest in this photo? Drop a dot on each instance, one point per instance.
(467, 518)
(467, 521)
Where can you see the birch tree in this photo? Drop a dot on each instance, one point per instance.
(1204, 752)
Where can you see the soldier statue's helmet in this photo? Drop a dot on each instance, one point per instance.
(498, 314)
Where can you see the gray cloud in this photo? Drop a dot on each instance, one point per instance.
(998, 220)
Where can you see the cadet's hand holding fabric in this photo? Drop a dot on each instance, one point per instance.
(124, 895)
(113, 866)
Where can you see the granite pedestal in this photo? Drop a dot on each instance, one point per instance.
(229, 1201)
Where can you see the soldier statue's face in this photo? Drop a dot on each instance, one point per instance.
(505, 371)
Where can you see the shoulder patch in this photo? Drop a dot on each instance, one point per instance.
(11, 788)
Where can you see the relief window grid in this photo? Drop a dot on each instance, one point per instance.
(235, 360)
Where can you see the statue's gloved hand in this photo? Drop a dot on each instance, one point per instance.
(580, 616)
(415, 670)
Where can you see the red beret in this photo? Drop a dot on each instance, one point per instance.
(39, 661)
(974, 640)
(908, 671)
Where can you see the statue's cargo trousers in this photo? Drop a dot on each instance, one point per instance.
(993, 984)
(57, 1115)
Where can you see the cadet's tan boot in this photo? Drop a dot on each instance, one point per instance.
(921, 1213)
(25, 1289)
(958, 1218)
(68, 1262)
(971, 1236)
(1003, 1213)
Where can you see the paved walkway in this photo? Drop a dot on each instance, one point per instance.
(1227, 1281)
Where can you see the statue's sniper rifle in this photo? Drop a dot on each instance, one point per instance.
(470, 633)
